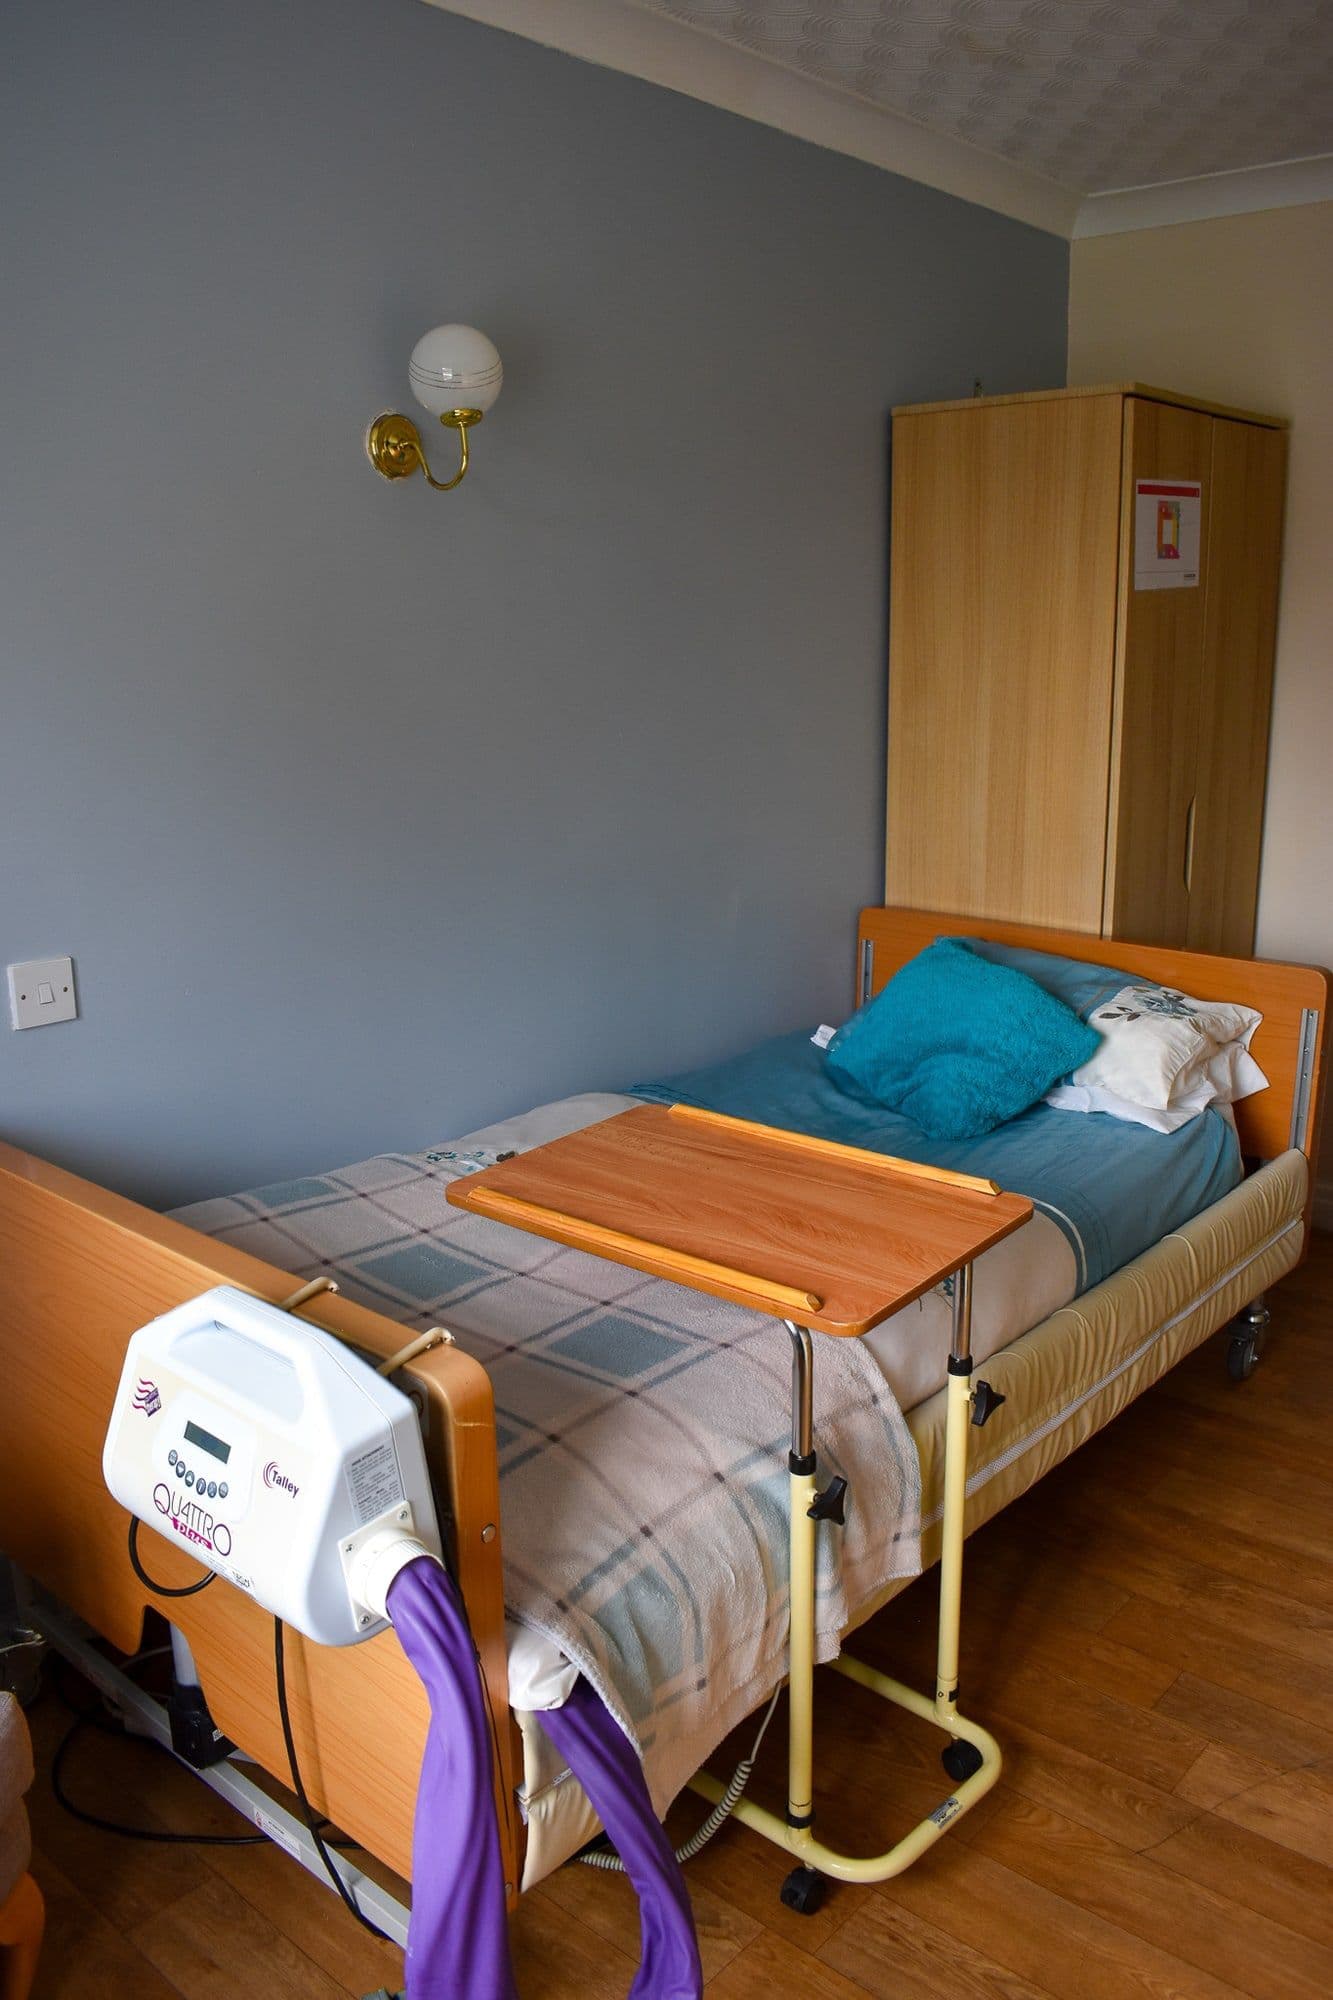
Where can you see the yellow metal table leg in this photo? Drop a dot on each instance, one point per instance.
(801, 1652)
(795, 1833)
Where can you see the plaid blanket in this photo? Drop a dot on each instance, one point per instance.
(643, 1432)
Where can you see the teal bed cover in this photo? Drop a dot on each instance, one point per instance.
(1114, 1188)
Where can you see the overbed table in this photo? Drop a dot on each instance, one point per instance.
(829, 1239)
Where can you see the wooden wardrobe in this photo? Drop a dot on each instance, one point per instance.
(1078, 707)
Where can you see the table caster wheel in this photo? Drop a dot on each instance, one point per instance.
(803, 1891)
(961, 1760)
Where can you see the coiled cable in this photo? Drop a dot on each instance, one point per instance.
(607, 1858)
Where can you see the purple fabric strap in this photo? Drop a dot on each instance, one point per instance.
(607, 1766)
(458, 1938)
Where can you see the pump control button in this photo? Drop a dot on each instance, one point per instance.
(189, 1479)
(212, 1489)
(222, 1489)
(171, 1459)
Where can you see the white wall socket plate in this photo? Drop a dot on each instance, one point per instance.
(41, 992)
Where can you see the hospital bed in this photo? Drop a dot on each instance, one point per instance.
(81, 1268)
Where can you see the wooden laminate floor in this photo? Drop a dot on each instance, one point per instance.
(1148, 1634)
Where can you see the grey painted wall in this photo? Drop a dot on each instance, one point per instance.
(369, 814)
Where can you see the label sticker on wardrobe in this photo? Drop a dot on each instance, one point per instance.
(1167, 529)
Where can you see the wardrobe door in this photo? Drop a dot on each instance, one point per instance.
(1245, 535)
(1160, 643)
(1005, 523)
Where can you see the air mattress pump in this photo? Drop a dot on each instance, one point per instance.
(277, 1456)
(284, 1462)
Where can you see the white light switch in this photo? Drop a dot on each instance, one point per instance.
(41, 992)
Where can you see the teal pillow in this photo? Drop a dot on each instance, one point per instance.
(1082, 985)
(959, 1045)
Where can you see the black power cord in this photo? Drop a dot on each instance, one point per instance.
(125, 1831)
(150, 1583)
(95, 1718)
(99, 1719)
(314, 1825)
(298, 1786)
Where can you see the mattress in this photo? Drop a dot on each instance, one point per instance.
(1102, 1191)
(383, 1225)
(1111, 1187)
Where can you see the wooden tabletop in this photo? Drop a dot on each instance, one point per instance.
(829, 1236)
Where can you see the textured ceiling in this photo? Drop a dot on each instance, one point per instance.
(1097, 96)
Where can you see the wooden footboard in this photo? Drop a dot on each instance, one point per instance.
(80, 1269)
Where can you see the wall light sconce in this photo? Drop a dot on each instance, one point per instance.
(456, 374)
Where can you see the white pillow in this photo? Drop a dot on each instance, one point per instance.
(1088, 1097)
(1157, 1044)
(1233, 1072)
(1229, 1074)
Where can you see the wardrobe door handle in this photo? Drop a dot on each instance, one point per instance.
(1189, 842)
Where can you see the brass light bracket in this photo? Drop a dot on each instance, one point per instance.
(393, 445)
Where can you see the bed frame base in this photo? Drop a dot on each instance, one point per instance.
(973, 1756)
(144, 1716)
(81, 1268)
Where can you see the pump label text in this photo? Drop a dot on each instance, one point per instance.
(192, 1522)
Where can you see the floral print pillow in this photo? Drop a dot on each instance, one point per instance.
(1157, 1043)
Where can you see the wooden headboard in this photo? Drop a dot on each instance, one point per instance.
(1293, 999)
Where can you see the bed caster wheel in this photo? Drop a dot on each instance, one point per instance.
(1243, 1351)
(961, 1761)
(803, 1891)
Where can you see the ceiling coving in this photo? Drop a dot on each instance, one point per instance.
(1094, 96)
(1079, 116)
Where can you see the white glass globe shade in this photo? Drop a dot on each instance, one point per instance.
(455, 368)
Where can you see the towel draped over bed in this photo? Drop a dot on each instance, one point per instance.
(652, 1551)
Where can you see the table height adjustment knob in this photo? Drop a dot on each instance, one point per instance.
(827, 1506)
(985, 1402)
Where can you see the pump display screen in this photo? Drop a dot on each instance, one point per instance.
(207, 1442)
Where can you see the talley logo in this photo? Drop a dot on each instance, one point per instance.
(147, 1396)
(273, 1477)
